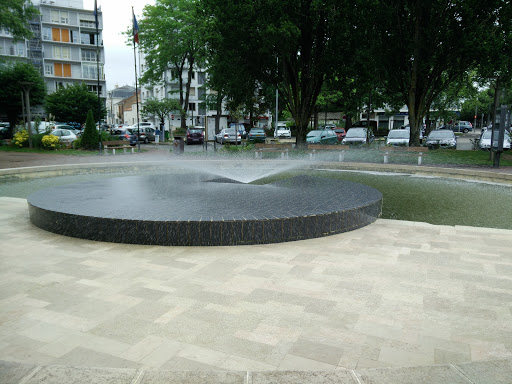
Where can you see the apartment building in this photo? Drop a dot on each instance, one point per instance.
(63, 47)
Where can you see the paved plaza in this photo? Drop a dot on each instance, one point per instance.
(355, 307)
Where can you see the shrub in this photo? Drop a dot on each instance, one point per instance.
(90, 135)
(50, 142)
(20, 139)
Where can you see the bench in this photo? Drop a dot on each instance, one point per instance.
(117, 144)
(282, 148)
(313, 148)
(404, 151)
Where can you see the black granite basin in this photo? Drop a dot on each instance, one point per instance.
(198, 209)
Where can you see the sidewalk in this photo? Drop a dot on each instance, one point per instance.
(393, 302)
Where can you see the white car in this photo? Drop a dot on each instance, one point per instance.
(485, 140)
(282, 132)
(398, 137)
(64, 135)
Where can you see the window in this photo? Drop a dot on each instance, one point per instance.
(201, 78)
(48, 69)
(191, 106)
(193, 75)
(59, 17)
(93, 88)
(87, 24)
(17, 49)
(59, 34)
(61, 53)
(192, 91)
(88, 55)
(89, 71)
(47, 33)
(88, 38)
(59, 85)
(62, 70)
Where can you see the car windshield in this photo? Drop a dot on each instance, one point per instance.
(229, 131)
(195, 131)
(441, 135)
(314, 133)
(356, 132)
(339, 130)
(398, 135)
(487, 135)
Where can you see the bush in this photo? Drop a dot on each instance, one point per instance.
(90, 136)
(50, 142)
(20, 139)
(37, 140)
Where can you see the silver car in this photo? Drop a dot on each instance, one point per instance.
(485, 140)
(442, 138)
(228, 135)
(358, 135)
(398, 137)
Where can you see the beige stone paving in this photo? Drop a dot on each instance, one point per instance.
(394, 293)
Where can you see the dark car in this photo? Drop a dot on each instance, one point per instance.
(195, 135)
(441, 138)
(257, 135)
(322, 136)
(124, 134)
(461, 126)
(358, 135)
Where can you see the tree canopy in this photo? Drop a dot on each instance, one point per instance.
(161, 108)
(15, 15)
(71, 103)
(14, 77)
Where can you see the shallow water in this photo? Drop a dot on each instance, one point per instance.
(433, 200)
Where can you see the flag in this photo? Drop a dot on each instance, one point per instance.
(135, 30)
(96, 13)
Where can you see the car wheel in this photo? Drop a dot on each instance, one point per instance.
(465, 130)
(146, 140)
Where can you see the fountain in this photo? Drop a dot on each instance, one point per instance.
(196, 208)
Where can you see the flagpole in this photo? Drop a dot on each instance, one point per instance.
(136, 85)
(98, 72)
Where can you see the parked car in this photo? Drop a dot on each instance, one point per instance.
(485, 140)
(340, 133)
(441, 138)
(195, 135)
(5, 133)
(282, 132)
(257, 135)
(461, 126)
(422, 130)
(241, 129)
(228, 135)
(357, 135)
(145, 133)
(65, 135)
(124, 134)
(398, 137)
(322, 136)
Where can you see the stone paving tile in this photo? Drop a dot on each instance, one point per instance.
(59, 374)
(11, 372)
(332, 377)
(350, 300)
(416, 375)
(167, 377)
(488, 372)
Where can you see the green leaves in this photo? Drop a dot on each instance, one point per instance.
(15, 15)
(72, 102)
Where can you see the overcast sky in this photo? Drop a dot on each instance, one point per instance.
(117, 17)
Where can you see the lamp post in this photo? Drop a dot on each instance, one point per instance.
(26, 85)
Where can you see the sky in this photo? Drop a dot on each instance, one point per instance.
(117, 18)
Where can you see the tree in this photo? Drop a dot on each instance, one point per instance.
(89, 139)
(15, 15)
(14, 77)
(171, 38)
(426, 45)
(72, 102)
(160, 108)
(288, 43)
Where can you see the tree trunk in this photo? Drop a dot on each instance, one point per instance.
(187, 90)
(219, 112)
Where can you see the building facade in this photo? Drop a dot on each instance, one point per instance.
(63, 47)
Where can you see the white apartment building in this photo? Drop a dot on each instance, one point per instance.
(63, 47)
(198, 114)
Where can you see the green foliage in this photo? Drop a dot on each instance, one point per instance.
(90, 137)
(72, 102)
(20, 139)
(232, 148)
(160, 108)
(14, 76)
(50, 142)
(15, 15)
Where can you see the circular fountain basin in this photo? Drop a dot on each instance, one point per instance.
(195, 209)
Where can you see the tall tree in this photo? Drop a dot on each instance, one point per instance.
(71, 103)
(426, 45)
(15, 15)
(287, 43)
(171, 39)
(14, 77)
